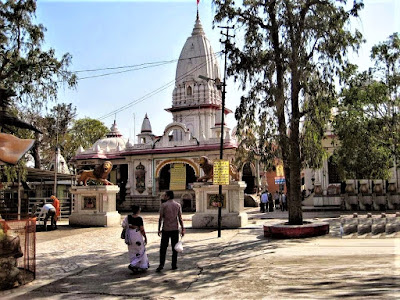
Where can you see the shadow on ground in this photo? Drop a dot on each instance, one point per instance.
(240, 263)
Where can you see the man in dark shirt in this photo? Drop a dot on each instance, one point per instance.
(170, 215)
(270, 202)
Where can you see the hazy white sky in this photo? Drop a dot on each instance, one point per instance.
(107, 34)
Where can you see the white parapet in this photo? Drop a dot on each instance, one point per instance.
(94, 206)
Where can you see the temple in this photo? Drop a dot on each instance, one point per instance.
(142, 168)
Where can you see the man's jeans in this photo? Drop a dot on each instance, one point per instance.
(165, 236)
(50, 214)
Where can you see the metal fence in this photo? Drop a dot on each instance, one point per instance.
(23, 232)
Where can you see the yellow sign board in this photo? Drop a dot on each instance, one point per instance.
(178, 177)
(279, 171)
(221, 172)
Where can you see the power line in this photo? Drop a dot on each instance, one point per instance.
(124, 71)
(147, 64)
(158, 90)
(125, 67)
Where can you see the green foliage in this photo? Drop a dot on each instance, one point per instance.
(387, 60)
(25, 67)
(363, 150)
(251, 147)
(55, 127)
(9, 173)
(292, 51)
(84, 132)
(33, 73)
(368, 124)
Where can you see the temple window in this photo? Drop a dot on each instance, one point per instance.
(189, 91)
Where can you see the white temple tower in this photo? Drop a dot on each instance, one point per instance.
(197, 102)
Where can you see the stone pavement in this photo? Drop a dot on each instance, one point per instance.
(83, 263)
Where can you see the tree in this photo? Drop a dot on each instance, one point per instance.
(292, 51)
(368, 123)
(362, 128)
(84, 132)
(55, 127)
(387, 59)
(33, 73)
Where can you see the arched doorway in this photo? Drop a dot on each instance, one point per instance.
(165, 177)
(249, 178)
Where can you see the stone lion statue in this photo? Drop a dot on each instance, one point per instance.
(100, 173)
(208, 169)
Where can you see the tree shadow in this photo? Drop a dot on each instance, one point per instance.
(208, 263)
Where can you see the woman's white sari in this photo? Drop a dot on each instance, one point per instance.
(136, 248)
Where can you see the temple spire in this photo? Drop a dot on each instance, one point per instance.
(198, 29)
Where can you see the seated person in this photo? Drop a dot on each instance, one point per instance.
(48, 211)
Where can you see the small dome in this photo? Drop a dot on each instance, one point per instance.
(111, 142)
(114, 132)
(146, 126)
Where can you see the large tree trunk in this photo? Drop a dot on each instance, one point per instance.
(294, 199)
(294, 202)
(289, 147)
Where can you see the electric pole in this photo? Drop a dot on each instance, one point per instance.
(221, 152)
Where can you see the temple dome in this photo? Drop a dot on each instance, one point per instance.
(197, 57)
(113, 142)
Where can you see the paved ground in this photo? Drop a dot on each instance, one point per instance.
(84, 263)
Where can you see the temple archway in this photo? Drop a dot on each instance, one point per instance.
(164, 177)
(248, 176)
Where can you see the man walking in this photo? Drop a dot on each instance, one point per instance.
(264, 201)
(170, 215)
(284, 202)
(276, 199)
(270, 202)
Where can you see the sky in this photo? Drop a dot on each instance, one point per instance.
(114, 35)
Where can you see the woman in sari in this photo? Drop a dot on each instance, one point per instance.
(135, 238)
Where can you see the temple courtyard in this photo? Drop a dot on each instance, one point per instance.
(83, 263)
